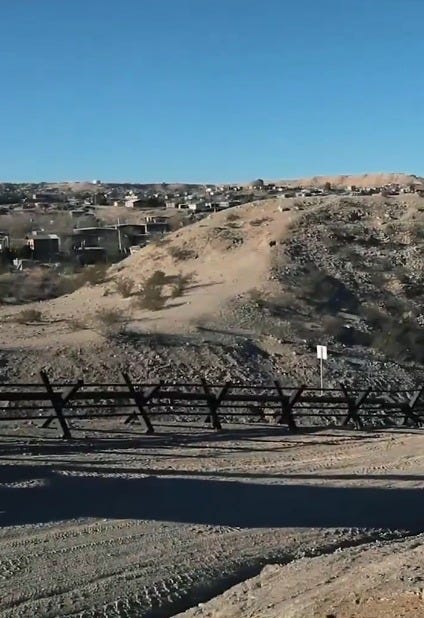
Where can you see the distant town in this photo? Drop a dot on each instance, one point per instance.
(89, 223)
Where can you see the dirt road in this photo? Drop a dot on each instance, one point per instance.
(154, 526)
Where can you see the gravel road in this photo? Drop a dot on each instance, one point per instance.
(152, 525)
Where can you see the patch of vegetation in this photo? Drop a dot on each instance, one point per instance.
(77, 324)
(399, 337)
(92, 275)
(29, 316)
(257, 297)
(109, 320)
(151, 296)
(179, 285)
(181, 253)
(402, 340)
(257, 222)
(279, 330)
(125, 286)
(233, 216)
(88, 275)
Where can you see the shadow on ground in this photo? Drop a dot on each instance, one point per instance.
(37, 494)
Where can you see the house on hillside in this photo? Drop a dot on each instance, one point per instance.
(157, 227)
(44, 247)
(110, 241)
(144, 203)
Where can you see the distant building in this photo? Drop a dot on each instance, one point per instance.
(4, 240)
(44, 247)
(113, 241)
(146, 203)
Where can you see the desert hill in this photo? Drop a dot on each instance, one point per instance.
(366, 180)
(360, 180)
(263, 283)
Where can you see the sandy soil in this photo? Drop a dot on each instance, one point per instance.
(231, 254)
(228, 254)
(155, 525)
(371, 581)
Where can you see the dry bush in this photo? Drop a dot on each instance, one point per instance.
(88, 275)
(93, 275)
(400, 341)
(233, 216)
(279, 330)
(124, 286)
(151, 295)
(109, 320)
(181, 253)
(179, 284)
(77, 324)
(177, 221)
(35, 284)
(157, 279)
(29, 316)
(7, 284)
(150, 299)
(257, 222)
(257, 297)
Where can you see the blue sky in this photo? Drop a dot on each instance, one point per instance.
(210, 90)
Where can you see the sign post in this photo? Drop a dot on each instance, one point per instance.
(321, 355)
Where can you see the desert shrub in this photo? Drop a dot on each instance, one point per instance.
(179, 284)
(177, 221)
(333, 326)
(77, 324)
(89, 275)
(124, 286)
(35, 284)
(109, 320)
(151, 295)
(29, 316)
(233, 216)
(157, 279)
(278, 329)
(257, 298)
(6, 286)
(93, 275)
(374, 316)
(257, 222)
(400, 340)
(150, 298)
(181, 253)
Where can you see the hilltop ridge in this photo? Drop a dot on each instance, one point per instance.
(365, 180)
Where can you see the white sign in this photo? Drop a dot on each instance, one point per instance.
(322, 352)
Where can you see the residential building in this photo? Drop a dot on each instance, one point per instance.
(44, 247)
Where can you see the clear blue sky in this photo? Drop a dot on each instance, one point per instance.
(210, 90)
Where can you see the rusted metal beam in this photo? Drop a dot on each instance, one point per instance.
(59, 402)
(214, 401)
(353, 405)
(287, 404)
(141, 400)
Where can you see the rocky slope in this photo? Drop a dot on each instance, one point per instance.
(268, 281)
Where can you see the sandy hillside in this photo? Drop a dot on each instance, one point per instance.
(360, 180)
(228, 254)
(265, 281)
